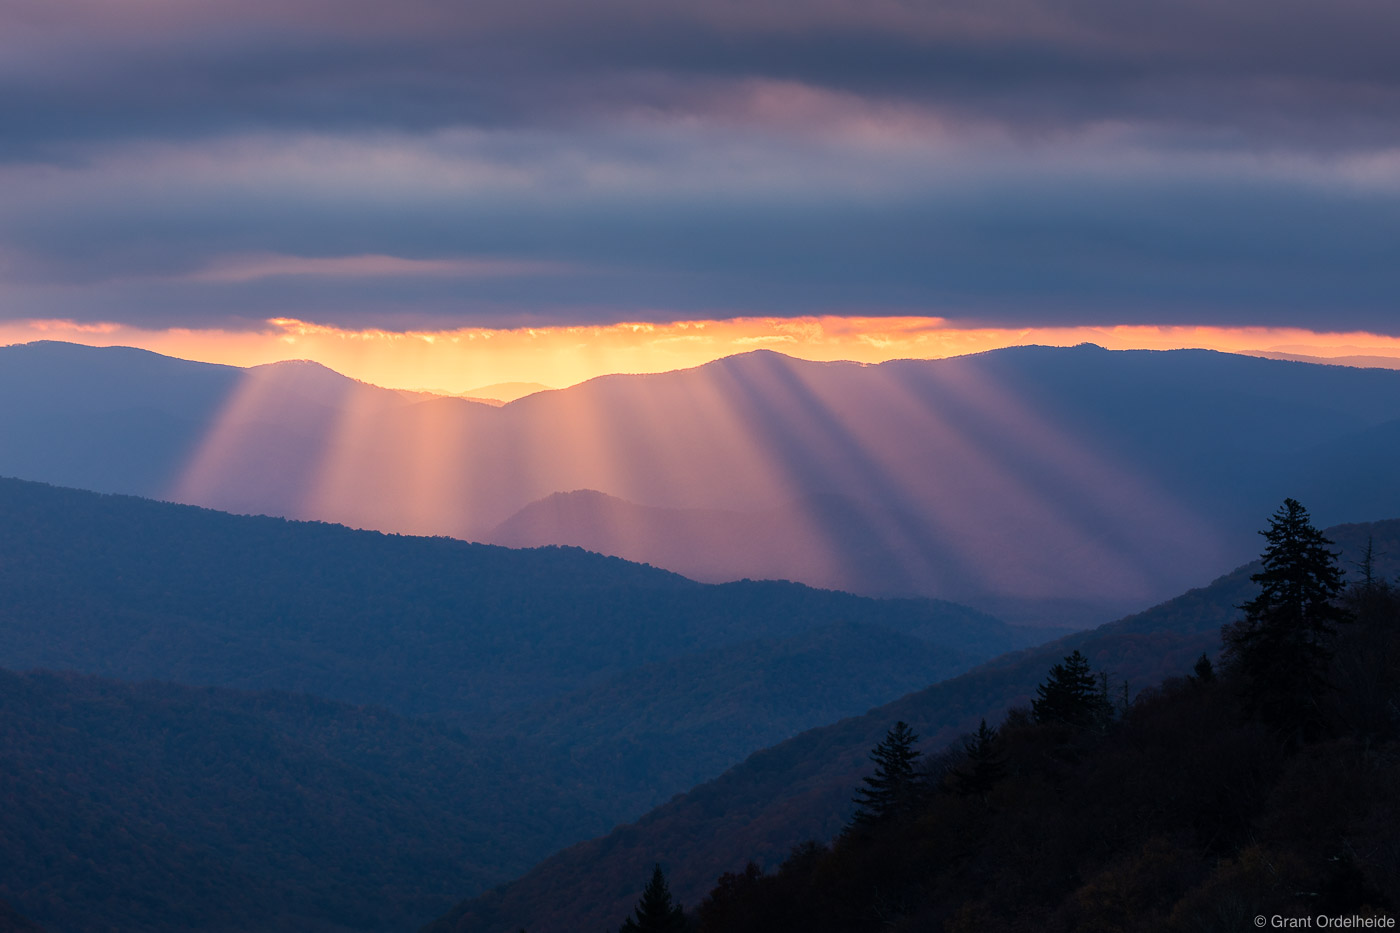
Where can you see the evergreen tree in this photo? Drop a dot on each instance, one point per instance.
(1283, 645)
(655, 912)
(984, 764)
(1367, 565)
(1070, 695)
(895, 788)
(1204, 671)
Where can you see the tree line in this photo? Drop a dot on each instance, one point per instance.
(1258, 784)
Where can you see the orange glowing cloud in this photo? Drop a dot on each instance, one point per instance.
(463, 359)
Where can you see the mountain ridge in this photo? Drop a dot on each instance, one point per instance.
(801, 788)
(160, 807)
(473, 634)
(1032, 474)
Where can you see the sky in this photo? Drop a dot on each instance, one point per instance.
(616, 185)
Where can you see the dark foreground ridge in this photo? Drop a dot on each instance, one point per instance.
(162, 808)
(801, 789)
(1189, 808)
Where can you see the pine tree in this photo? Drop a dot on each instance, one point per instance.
(895, 788)
(1367, 565)
(655, 912)
(984, 763)
(1070, 695)
(1204, 671)
(1282, 647)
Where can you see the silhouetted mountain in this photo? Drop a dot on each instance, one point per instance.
(677, 723)
(1026, 474)
(134, 589)
(801, 789)
(155, 807)
(504, 391)
(117, 419)
(852, 552)
(1179, 811)
(1351, 359)
(715, 545)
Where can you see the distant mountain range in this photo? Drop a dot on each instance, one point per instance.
(584, 689)
(714, 545)
(504, 391)
(1039, 483)
(801, 789)
(129, 588)
(1356, 358)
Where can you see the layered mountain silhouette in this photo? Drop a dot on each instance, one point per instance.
(503, 392)
(801, 789)
(853, 552)
(158, 807)
(714, 545)
(676, 723)
(570, 690)
(1042, 483)
(586, 689)
(125, 587)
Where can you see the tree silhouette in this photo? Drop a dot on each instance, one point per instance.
(1070, 695)
(984, 765)
(655, 912)
(895, 787)
(1367, 565)
(1204, 671)
(1282, 646)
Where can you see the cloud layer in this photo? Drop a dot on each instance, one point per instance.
(1006, 162)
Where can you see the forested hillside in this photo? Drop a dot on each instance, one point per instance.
(198, 803)
(801, 789)
(680, 720)
(132, 588)
(156, 807)
(1212, 802)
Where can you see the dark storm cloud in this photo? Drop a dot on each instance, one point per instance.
(1290, 69)
(1006, 161)
(1087, 253)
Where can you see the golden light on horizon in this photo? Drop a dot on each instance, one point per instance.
(459, 360)
(763, 443)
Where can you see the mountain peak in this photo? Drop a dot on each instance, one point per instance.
(67, 351)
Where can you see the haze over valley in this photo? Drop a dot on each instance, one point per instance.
(1051, 486)
(741, 466)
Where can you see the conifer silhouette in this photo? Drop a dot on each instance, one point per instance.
(1282, 646)
(1070, 695)
(984, 765)
(1204, 671)
(895, 787)
(655, 912)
